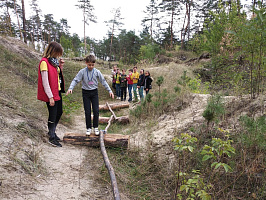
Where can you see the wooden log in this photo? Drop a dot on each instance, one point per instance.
(114, 106)
(121, 120)
(109, 166)
(111, 140)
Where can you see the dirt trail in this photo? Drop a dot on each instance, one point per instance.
(70, 173)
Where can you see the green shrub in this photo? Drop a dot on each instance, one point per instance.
(254, 132)
(215, 109)
(149, 51)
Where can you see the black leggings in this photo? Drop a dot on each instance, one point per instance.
(55, 113)
(90, 98)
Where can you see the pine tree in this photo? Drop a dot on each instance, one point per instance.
(114, 25)
(151, 11)
(88, 16)
(36, 21)
(172, 9)
(16, 8)
(24, 20)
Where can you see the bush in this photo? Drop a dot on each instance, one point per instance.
(149, 51)
(214, 109)
(254, 132)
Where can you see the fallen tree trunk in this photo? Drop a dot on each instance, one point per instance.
(121, 120)
(114, 106)
(110, 140)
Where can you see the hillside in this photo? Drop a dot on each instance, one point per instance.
(31, 169)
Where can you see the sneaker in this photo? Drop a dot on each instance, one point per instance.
(117, 97)
(88, 132)
(57, 138)
(96, 131)
(54, 142)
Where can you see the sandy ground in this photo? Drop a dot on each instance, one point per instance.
(70, 174)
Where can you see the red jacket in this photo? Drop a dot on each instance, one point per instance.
(129, 81)
(53, 82)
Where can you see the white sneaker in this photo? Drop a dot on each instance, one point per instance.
(117, 97)
(96, 131)
(88, 132)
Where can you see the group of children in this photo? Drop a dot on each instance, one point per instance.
(135, 80)
(51, 84)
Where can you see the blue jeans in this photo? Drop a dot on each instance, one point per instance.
(141, 92)
(130, 92)
(118, 90)
(135, 91)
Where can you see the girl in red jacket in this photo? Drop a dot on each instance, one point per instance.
(50, 87)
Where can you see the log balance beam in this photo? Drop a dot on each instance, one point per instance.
(110, 140)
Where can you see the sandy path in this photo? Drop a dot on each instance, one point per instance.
(69, 172)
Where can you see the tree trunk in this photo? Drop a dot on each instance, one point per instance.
(172, 22)
(85, 46)
(151, 25)
(110, 140)
(24, 21)
(15, 7)
(121, 120)
(8, 19)
(183, 31)
(114, 106)
(111, 42)
(188, 19)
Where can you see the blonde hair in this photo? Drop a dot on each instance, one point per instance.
(53, 50)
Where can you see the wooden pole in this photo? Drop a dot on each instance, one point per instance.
(108, 164)
(109, 107)
(109, 124)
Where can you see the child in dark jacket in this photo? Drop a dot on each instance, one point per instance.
(140, 84)
(123, 85)
(130, 84)
(147, 82)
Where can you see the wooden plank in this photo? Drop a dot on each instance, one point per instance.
(110, 140)
(114, 106)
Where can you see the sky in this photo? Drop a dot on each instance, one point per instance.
(131, 11)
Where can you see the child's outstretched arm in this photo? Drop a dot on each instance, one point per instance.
(105, 84)
(69, 92)
(75, 81)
